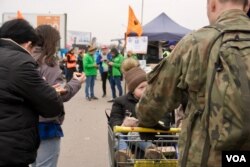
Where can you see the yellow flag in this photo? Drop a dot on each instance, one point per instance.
(134, 25)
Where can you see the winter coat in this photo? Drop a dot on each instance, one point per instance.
(53, 75)
(121, 105)
(24, 95)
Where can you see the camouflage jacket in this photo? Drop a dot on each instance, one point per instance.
(185, 71)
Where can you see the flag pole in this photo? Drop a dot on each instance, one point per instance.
(142, 6)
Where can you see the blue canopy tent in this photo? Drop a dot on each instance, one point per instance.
(161, 31)
(163, 28)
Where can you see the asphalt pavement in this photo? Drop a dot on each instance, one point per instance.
(85, 143)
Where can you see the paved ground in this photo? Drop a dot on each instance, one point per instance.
(85, 143)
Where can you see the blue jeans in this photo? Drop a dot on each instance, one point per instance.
(115, 81)
(69, 74)
(48, 153)
(123, 145)
(89, 86)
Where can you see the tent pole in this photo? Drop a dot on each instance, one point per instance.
(142, 6)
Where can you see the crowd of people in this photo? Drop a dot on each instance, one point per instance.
(206, 75)
(93, 61)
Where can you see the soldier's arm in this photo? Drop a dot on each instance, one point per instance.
(165, 85)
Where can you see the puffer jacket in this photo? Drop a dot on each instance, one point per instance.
(120, 106)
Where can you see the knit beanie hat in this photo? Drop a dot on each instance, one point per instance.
(134, 77)
(133, 74)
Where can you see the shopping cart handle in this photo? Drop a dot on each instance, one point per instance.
(123, 129)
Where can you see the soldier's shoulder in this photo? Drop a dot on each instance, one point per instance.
(203, 33)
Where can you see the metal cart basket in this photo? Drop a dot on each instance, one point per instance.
(165, 143)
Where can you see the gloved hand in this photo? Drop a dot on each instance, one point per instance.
(161, 126)
(151, 136)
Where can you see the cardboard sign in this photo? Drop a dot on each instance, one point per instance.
(137, 44)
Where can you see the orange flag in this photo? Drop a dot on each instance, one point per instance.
(133, 24)
(19, 15)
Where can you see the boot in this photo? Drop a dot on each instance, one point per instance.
(152, 153)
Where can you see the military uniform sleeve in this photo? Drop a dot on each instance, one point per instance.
(165, 85)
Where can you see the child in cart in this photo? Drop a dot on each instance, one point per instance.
(123, 110)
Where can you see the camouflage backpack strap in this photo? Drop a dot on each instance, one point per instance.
(214, 45)
(193, 116)
(240, 79)
(217, 67)
(190, 126)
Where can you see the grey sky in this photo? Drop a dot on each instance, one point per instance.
(107, 19)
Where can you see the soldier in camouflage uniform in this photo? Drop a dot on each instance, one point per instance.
(185, 71)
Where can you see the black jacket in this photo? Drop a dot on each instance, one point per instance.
(127, 103)
(24, 95)
(120, 106)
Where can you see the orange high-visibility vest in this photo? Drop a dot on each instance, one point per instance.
(72, 63)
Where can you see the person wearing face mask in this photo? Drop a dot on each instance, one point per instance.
(24, 95)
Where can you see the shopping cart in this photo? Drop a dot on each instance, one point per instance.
(165, 143)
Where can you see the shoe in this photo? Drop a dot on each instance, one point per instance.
(111, 100)
(152, 153)
(168, 151)
(94, 98)
(104, 95)
(88, 98)
(121, 157)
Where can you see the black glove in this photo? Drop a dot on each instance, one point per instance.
(151, 136)
(161, 126)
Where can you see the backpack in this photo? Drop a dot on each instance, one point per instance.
(227, 105)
